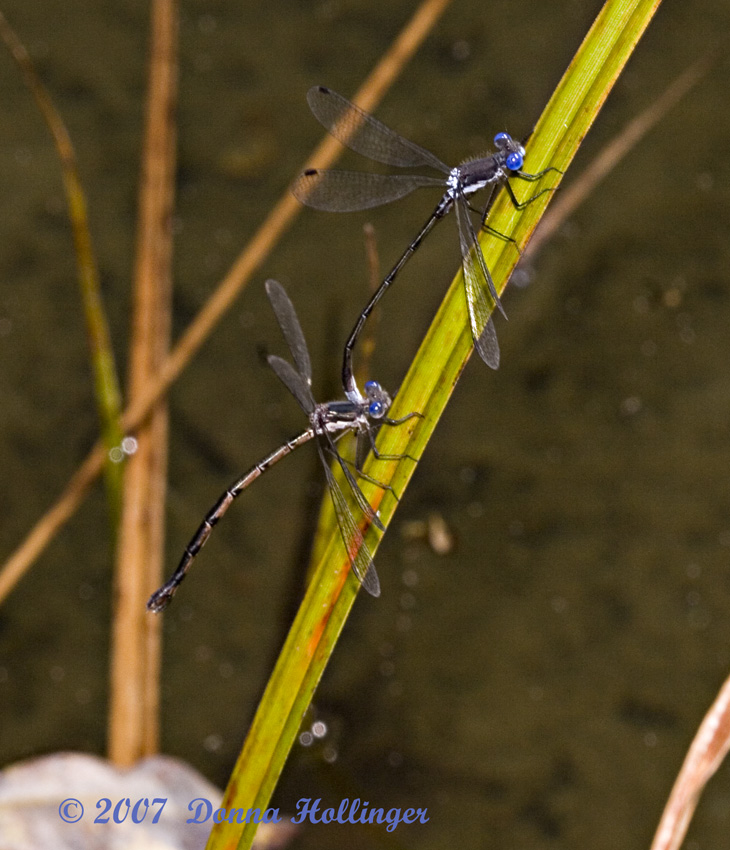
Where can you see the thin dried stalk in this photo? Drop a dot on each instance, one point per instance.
(366, 351)
(367, 347)
(609, 157)
(709, 748)
(54, 519)
(134, 698)
(228, 290)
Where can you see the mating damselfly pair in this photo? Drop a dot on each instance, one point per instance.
(362, 413)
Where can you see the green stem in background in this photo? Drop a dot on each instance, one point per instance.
(106, 384)
(427, 389)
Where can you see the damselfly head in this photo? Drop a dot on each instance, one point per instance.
(514, 161)
(378, 400)
(515, 153)
(503, 141)
(376, 409)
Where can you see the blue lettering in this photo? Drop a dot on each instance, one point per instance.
(136, 817)
(307, 809)
(271, 816)
(341, 816)
(202, 811)
(162, 800)
(118, 810)
(392, 819)
(353, 811)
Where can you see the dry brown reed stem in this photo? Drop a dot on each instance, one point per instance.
(569, 199)
(135, 658)
(367, 346)
(366, 351)
(372, 90)
(705, 755)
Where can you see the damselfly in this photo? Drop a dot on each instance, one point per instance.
(346, 191)
(327, 423)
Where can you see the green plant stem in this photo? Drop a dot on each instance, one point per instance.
(106, 384)
(427, 388)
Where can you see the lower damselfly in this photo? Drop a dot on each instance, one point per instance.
(327, 423)
(346, 191)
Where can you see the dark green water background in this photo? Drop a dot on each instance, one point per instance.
(538, 686)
